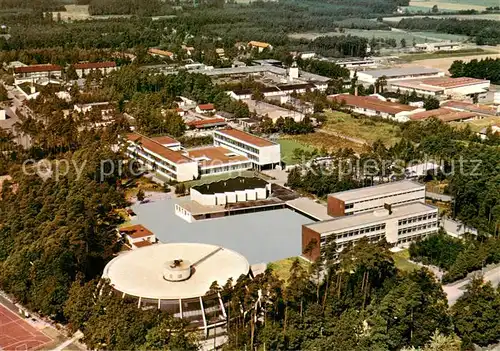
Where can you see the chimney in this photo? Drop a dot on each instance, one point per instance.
(356, 90)
(388, 207)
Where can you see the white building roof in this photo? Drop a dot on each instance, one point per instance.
(377, 216)
(401, 72)
(310, 207)
(140, 272)
(377, 190)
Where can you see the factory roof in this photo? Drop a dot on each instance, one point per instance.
(439, 83)
(443, 114)
(377, 216)
(467, 106)
(403, 71)
(206, 123)
(246, 137)
(259, 44)
(231, 185)
(377, 190)
(140, 272)
(371, 103)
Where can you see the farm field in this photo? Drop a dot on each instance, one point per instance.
(456, 4)
(420, 37)
(366, 129)
(488, 16)
(444, 54)
(330, 142)
(445, 62)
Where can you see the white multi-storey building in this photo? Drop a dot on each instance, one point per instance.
(399, 225)
(262, 152)
(155, 156)
(361, 200)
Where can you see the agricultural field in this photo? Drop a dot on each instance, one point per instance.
(455, 5)
(419, 37)
(444, 63)
(488, 16)
(73, 13)
(445, 54)
(330, 142)
(365, 129)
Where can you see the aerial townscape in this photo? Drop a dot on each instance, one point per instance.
(260, 175)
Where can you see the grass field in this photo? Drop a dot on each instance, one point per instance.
(420, 37)
(478, 124)
(281, 269)
(445, 54)
(479, 5)
(367, 129)
(488, 16)
(444, 63)
(401, 260)
(287, 147)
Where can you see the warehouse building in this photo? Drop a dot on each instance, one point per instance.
(443, 87)
(29, 73)
(366, 199)
(373, 106)
(446, 115)
(176, 278)
(391, 74)
(262, 152)
(398, 225)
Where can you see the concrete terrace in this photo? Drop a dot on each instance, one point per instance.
(260, 237)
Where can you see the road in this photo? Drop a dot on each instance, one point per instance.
(455, 290)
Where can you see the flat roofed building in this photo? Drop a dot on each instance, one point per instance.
(239, 189)
(373, 106)
(260, 151)
(167, 141)
(217, 160)
(416, 72)
(361, 200)
(259, 45)
(153, 155)
(176, 278)
(399, 225)
(443, 86)
(207, 123)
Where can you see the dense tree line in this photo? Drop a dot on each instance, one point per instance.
(485, 32)
(458, 257)
(487, 68)
(339, 46)
(129, 7)
(323, 68)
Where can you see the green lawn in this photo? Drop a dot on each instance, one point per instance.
(367, 129)
(287, 147)
(401, 260)
(281, 268)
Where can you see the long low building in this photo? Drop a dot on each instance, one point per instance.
(398, 225)
(391, 74)
(85, 68)
(366, 199)
(467, 106)
(443, 86)
(446, 115)
(373, 106)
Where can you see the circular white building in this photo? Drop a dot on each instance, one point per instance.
(176, 278)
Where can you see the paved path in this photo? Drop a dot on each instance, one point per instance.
(455, 290)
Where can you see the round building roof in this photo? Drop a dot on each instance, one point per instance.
(174, 271)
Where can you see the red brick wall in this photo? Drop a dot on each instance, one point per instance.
(335, 207)
(308, 235)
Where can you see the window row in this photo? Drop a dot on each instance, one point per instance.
(416, 219)
(236, 143)
(385, 197)
(417, 228)
(356, 232)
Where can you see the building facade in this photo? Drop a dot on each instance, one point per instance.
(371, 76)
(82, 69)
(398, 225)
(367, 199)
(262, 152)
